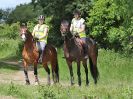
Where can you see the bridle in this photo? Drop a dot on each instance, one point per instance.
(23, 32)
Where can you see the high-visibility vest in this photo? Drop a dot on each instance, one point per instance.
(39, 32)
(77, 24)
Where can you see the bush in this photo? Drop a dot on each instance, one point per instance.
(107, 25)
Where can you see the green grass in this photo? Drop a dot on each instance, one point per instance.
(115, 82)
(8, 48)
(8, 51)
(112, 67)
(63, 92)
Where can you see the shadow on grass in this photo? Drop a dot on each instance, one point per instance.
(7, 65)
(11, 58)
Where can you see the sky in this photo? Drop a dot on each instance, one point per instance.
(11, 3)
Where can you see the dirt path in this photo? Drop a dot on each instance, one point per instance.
(7, 97)
(19, 78)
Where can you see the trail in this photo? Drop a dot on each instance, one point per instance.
(19, 78)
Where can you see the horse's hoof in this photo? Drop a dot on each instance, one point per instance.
(79, 84)
(36, 83)
(72, 83)
(27, 83)
(87, 84)
(95, 82)
(48, 84)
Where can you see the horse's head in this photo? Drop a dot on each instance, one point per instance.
(24, 33)
(65, 29)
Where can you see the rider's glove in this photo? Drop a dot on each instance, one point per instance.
(36, 39)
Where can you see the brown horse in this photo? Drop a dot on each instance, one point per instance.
(30, 56)
(73, 51)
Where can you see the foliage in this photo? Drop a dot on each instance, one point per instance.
(10, 31)
(9, 39)
(1, 13)
(24, 13)
(107, 21)
(4, 13)
(59, 10)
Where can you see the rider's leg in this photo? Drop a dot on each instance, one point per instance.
(38, 45)
(42, 45)
(85, 47)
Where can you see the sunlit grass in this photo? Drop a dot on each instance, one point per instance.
(115, 82)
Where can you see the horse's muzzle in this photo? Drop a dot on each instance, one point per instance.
(23, 37)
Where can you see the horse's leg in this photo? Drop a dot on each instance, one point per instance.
(53, 71)
(57, 74)
(71, 71)
(35, 73)
(86, 71)
(78, 73)
(53, 75)
(48, 71)
(56, 70)
(26, 72)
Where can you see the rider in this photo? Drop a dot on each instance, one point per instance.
(78, 29)
(40, 33)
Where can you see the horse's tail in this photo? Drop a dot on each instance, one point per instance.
(93, 54)
(94, 70)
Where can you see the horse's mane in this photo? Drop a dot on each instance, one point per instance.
(29, 33)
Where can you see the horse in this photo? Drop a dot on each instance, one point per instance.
(73, 51)
(30, 55)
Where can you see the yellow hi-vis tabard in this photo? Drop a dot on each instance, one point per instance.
(77, 25)
(39, 32)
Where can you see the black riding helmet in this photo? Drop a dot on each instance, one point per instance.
(76, 12)
(41, 17)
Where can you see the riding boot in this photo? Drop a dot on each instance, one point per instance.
(40, 56)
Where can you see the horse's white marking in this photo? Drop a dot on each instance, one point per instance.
(23, 37)
(36, 83)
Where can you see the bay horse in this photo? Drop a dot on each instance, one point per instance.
(31, 56)
(73, 51)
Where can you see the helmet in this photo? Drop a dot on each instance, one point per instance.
(23, 24)
(77, 12)
(41, 17)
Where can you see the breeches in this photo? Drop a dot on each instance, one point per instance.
(40, 45)
(83, 39)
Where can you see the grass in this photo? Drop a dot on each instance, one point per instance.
(63, 92)
(116, 81)
(8, 48)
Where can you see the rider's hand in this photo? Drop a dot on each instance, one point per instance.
(77, 35)
(36, 39)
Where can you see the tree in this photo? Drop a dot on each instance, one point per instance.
(108, 23)
(24, 12)
(4, 14)
(59, 10)
(1, 13)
